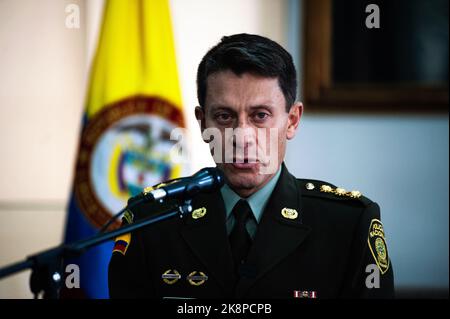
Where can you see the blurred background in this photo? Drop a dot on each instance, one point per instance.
(398, 158)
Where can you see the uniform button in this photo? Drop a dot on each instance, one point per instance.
(310, 186)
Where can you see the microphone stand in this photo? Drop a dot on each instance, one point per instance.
(47, 265)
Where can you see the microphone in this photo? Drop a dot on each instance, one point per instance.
(205, 180)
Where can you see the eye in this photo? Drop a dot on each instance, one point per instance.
(261, 116)
(223, 117)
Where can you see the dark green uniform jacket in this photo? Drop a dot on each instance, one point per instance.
(312, 241)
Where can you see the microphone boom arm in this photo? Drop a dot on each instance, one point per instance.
(47, 265)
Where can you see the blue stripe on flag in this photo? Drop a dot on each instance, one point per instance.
(94, 262)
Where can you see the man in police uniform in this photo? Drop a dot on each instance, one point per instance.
(265, 234)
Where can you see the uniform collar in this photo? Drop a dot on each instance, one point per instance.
(257, 201)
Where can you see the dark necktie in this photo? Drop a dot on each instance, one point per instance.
(240, 240)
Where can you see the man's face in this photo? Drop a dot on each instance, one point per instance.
(255, 108)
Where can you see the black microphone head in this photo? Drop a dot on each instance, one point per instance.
(212, 176)
(219, 177)
(207, 179)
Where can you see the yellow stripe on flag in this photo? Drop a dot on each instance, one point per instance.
(132, 106)
(136, 54)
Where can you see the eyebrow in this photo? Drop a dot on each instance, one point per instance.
(253, 107)
(262, 106)
(219, 106)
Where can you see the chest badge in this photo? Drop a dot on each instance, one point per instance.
(199, 213)
(171, 276)
(197, 278)
(289, 213)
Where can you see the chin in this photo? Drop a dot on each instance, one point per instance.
(242, 178)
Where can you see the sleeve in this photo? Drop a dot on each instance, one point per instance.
(370, 268)
(127, 273)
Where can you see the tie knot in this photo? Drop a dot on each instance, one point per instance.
(242, 211)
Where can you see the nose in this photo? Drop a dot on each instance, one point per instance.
(244, 133)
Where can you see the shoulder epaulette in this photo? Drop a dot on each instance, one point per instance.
(318, 188)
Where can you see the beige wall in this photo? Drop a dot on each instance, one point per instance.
(42, 83)
(43, 72)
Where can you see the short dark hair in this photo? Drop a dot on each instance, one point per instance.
(251, 53)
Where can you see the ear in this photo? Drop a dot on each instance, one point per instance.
(295, 113)
(200, 116)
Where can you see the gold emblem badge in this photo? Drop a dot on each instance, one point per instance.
(377, 245)
(170, 277)
(289, 213)
(199, 213)
(355, 194)
(197, 278)
(326, 189)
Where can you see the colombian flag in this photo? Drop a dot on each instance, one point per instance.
(133, 104)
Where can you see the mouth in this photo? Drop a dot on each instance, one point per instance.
(245, 163)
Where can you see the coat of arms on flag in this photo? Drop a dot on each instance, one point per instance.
(124, 148)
